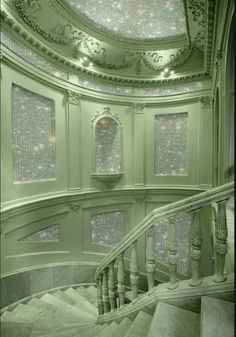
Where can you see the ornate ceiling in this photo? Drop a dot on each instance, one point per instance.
(128, 41)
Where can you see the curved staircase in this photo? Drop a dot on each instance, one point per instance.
(73, 313)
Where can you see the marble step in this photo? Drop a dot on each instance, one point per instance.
(23, 313)
(16, 329)
(89, 295)
(171, 321)
(217, 318)
(75, 312)
(81, 300)
(123, 327)
(91, 331)
(109, 331)
(92, 291)
(72, 301)
(140, 325)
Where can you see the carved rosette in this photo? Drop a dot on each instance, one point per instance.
(138, 107)
(221, 234)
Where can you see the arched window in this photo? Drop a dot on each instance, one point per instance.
(107, 144)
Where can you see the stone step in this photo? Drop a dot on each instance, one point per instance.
(169, 320)
(217, 318)
(89, 295)
(90, 331)
(109, 331)
(15, 329)
(69, 309)
(81, 300)
(123, 327)
(72, 301)
(140, 325)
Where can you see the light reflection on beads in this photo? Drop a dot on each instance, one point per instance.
(32, 57)
(171, 132)
(114, 89)
(108, 228)
(107, 146)
(47, 234)
(33, 136)
(135, 19)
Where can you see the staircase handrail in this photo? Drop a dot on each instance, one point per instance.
(187, 204)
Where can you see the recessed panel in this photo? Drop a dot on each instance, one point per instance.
(33, 136)
(108, 228)
(171, 144)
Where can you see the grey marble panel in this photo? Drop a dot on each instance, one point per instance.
(84, 274)
(63, 275)
(41, 279)
(14, 287)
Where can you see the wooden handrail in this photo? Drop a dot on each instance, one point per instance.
(194, 202)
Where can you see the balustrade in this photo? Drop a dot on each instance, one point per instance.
(112, 286)
(172, 254)
(196, 241)
(221, 234)
(121, 280)
(105, 297)
(111, 296)
(150, 257)
(134, 270)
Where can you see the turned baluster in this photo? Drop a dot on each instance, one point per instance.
(172, 254)
(121, 280)
(221, 241)
(196, 245)
(99, 295)
(134, 270)
(112, 286)
(150, 257)
(105, 296)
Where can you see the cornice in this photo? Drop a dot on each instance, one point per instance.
(69, 63)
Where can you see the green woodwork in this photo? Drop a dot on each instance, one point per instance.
(75, 195)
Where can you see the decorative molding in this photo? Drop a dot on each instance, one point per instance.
(219, 58)
(73, 97)
(74, 206)
(106, 112)
(138, 107)
(206, 101)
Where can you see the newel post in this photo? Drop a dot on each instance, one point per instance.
(105, 296)
(150, 257)
(134, 270)
(112, 286)
(99, 296)
(221, 235)
(196, 245)
(121, 279)
(172, 254)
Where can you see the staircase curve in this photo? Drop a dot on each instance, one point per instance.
(194, 307)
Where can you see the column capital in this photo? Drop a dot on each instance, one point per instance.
(206, 101)
(73, 97)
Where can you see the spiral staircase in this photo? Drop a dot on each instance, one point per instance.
(195, 307)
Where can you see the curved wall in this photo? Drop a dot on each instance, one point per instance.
(70, 200)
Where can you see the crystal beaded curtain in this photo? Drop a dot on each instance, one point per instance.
(33, 136)
(107, 146)
(108, 228)
(134, 19)
(128, 91)
(47, 234)
(171, 136)
(183, 224)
